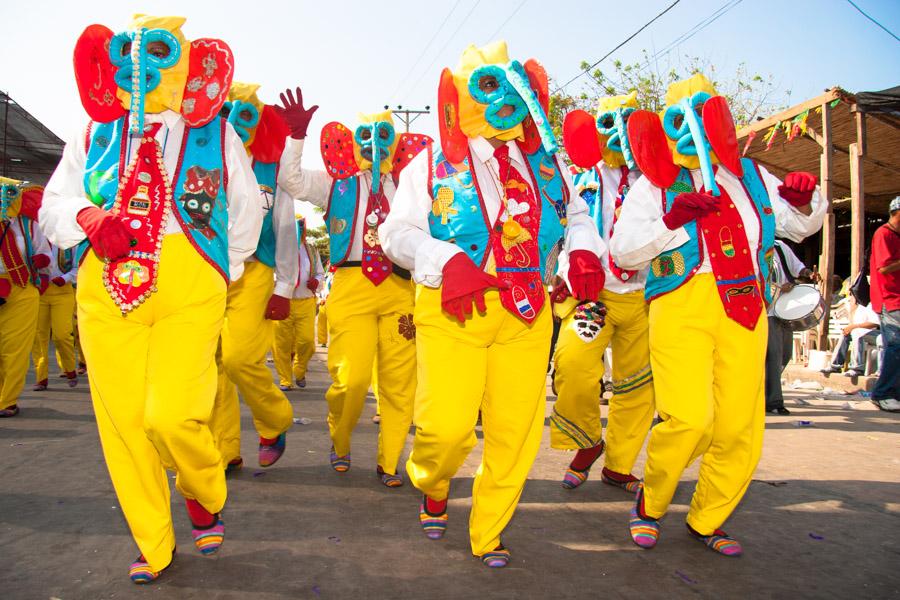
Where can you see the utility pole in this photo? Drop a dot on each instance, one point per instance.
(408, 115)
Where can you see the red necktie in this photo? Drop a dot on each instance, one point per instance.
(142, 202)
(621, 274)
(375, 265)
(12, 258)
(514, 243)
(732, 262)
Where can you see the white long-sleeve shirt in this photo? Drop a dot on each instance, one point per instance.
(314, 186)
(64, 195)
(405, 234)
(641, 235)
(39, 244)
(285, 226)
(310, 268)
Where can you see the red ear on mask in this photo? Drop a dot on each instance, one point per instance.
(408, 147)
(271, 133)
(720, 131)
(454, 142)
(95, 75)
(650, 149)
(32, 197)
(210, 71)
(337, 151)
(581, 139)
(537, 78)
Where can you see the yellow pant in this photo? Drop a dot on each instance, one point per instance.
(365, 321)
(246, 339)
(708, 372)
(18, 323)
(294, 343)
(575, 422)
(496, 363)
(322, 326)
(153, 381)
(56, 315)
(225, 420)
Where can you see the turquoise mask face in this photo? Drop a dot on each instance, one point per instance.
(8, 195)
(374, 141)
(139, 56)
(613, 125)
(243, 116)
(682, 124)
(491, 85)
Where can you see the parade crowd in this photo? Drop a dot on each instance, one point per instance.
(169, 229)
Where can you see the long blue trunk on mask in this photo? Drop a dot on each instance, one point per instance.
(521, 86)
(702, 146)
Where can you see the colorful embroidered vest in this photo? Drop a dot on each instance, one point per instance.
(340, 220)
(458, 214)
(266, 176)
(672, 269)
(200, 204)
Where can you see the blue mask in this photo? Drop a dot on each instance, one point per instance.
(374, 141)
(612, 124)
(243, 116)
(689, 136)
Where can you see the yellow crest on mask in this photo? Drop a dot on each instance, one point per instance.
(387, 163)
(246, 92)
(170, 91)
(471, 113)
(675, 93)
(611, 103)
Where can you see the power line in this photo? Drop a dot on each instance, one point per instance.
(625, 41)
(447, 43)
(508, 19)
(889, 32)
(425, 49)
(703, 24)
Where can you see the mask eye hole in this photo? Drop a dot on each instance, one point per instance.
(245, 115)
(608, 121)
(158, 49)
(678, 121)
(698, 108)
(383, 133)
(126, 48)
(365, 134)
(488, 84)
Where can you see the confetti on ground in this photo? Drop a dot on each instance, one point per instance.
(302, 421)
(816, 537)
(334, 538)
(316, 590)
(259, 473)
(685, 578)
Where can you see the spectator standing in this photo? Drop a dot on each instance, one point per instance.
(885, 286)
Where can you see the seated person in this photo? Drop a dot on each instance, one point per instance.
(862, 330)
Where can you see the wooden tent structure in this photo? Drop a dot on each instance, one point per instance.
(853, 142)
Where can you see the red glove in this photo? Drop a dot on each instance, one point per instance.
(108, 235)
(58, 281)
(278, 308)
(560, 292)
(43, 283)
(586, 275)
(688, 207)
(5, 289)
(464, 283)
(312, 285)
(40, 261)
(798, 188)
(293, 113)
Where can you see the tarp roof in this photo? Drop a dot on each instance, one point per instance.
(28, 150)
(881, 161)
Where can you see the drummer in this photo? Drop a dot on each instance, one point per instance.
(787, 271)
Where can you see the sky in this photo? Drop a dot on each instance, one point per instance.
(353, 56)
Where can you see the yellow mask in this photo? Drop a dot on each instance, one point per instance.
(375, 133)
(166, 55)
(472, 118)
(612, 116)
(682, 137)
(244, 110)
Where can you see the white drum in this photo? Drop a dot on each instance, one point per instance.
(801, 307)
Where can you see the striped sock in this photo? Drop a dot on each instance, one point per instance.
(496, 558)
(718, 541)
(644, 530)
(341, 464)
(433, 518)
(628, 482)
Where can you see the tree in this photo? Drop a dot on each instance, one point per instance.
(750, 95)
(318, 237)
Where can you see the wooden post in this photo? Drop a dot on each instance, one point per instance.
(857, 197)
(826, 259)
